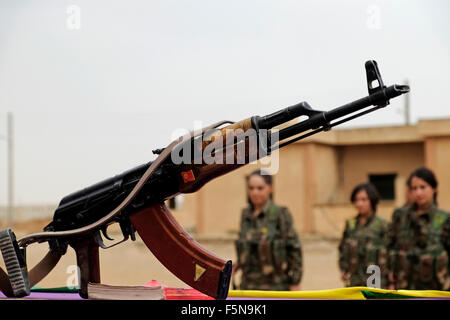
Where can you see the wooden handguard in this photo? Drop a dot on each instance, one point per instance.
(180, 253)
(243, 125)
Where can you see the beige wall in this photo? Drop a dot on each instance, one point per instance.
(222, 201)
(360, 161)
(438, 158)
(329, 219)
(328, 173)
(187, 214)
(291, 183)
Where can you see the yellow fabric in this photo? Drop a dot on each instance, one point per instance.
(342, 293)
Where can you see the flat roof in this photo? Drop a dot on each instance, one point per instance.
(388, 134)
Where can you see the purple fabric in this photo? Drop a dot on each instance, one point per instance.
(48, 296)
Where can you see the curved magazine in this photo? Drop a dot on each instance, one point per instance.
(180, 253)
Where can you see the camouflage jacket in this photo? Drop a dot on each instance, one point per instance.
(362, 246)
(268, 249)
(418, 249)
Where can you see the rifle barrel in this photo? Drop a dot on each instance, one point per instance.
(378, 98)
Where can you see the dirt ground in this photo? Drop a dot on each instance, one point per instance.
(131, 263)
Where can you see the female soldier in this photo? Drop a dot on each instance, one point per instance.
(268, 248)
(364, 240)
(419, 238)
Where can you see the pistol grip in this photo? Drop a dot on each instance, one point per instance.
(88, 262)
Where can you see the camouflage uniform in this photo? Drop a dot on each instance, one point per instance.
(362, 246)
(268, 249)
(418, 249)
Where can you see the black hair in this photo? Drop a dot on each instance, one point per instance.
(372, 193)
(428, 176)
(266, 177)
(408, 182)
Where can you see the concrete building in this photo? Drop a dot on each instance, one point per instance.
(317, 175)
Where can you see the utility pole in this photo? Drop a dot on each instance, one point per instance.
(407, 106)
(10, 155)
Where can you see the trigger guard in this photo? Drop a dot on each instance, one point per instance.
(105, 233)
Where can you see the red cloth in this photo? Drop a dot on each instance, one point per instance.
(179, 293)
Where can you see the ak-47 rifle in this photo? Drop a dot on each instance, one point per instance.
(135, 198)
